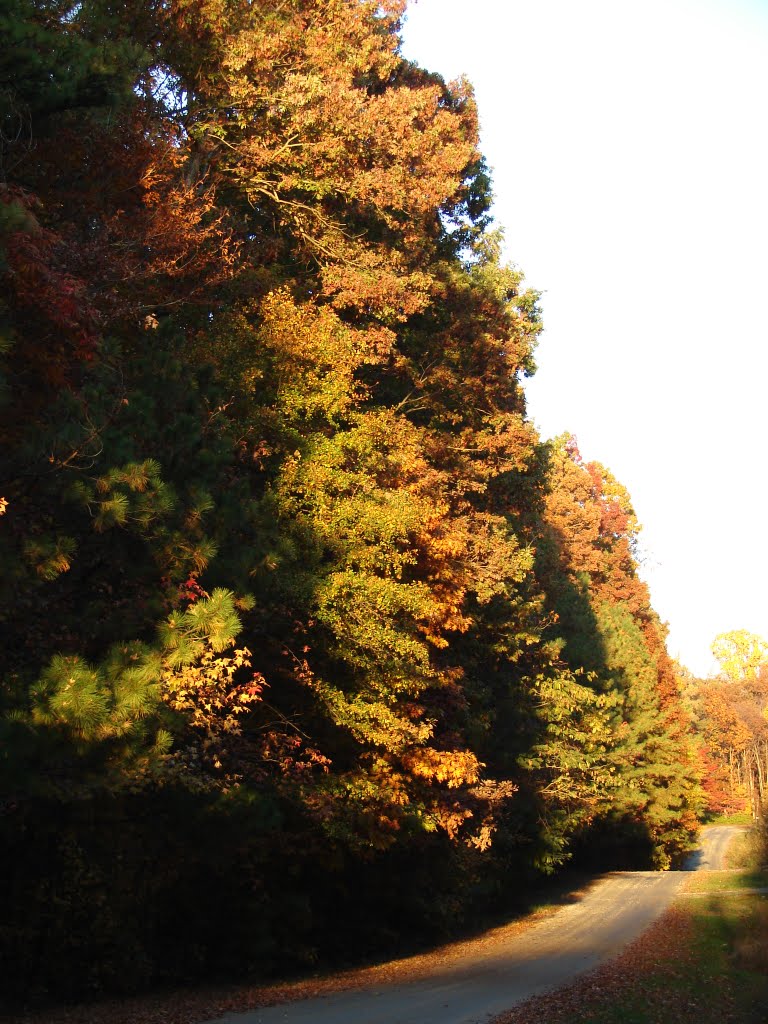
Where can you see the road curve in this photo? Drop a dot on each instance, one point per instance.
(710, 855)
(473, 987)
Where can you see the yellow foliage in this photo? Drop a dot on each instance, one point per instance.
(207, 693)
(741, 654)
(452, 768)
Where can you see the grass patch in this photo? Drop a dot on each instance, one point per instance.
(746, 850)
(736, 818)
(720, 881)
(704, 962)
(732, 945)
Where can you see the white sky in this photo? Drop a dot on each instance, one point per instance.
(629, 146)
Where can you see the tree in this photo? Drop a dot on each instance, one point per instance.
(730, 711)
(610, 631)
(281, 543)
(741, 655)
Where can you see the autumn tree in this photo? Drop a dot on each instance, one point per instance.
(730, 711)
(226, 317)
(282, 548)
(741, 655)
(610, 632)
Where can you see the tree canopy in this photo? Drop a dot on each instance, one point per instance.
(282, 548)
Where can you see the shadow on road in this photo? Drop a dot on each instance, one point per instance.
(693, 861)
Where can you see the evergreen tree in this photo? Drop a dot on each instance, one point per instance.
(281, 546)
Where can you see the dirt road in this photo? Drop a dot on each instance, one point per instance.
(711, 853)
(484, 978)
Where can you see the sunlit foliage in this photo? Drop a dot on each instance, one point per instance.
(280, 543)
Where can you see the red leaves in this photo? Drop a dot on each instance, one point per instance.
(44, 289)
(191, 590)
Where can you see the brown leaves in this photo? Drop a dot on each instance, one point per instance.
(645, 975)
(173, 241)
(311, 113)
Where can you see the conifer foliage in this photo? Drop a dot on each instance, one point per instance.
(282, 551)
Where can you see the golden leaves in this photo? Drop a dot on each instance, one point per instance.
(741, 654)
(315, 359)
(313, 114)
(452, 768)
(207, 693)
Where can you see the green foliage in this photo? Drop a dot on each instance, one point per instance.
(120, 719)
(213, 621)
(258, 340)
(53, 60)
(132, 495)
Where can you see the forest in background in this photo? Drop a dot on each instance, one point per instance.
(729, 712)
(306, 631)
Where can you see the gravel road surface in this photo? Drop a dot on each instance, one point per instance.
(710, 855)
(478, 983)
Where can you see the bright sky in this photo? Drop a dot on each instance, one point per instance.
(629, 145)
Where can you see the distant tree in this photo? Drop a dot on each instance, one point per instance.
(741, 654)
(730, 713)
(610, 631)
